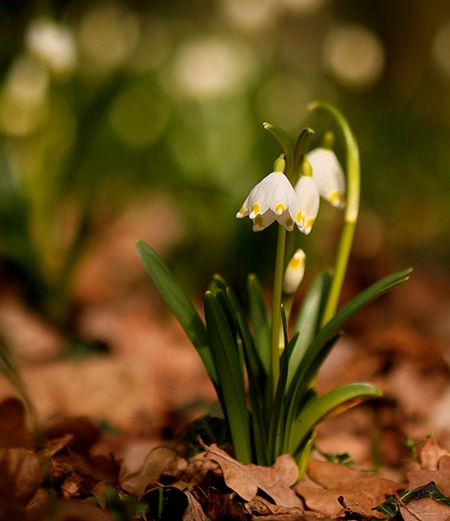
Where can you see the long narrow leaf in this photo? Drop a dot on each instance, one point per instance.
(228, 364)
(327, 406)
(180, 305)
(308, 320)
(260, 320)
(307, 369)
(257, 380)
(255, 372)
(12, 373)
(277, 427)
(295, 402)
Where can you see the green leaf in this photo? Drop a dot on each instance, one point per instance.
(12, 373)
(326, 337)
(308, 320)
(260, 321)
(327, 406)
(227, 361)
(255, 372)
(277, 413)
(180, 305)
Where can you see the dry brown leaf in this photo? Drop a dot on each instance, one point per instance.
(338, 477)
(20, 474)
(441, 476)
(431, 454)
(245, 480)
(159, 460)
(327, 501)
(425, 509)
(13, 428)
(194, 511)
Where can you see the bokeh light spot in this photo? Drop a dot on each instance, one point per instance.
(440, 51)
(108, 35)
(354, 55)
(54, 44)
(138, 116)
(212, 67)
(23, 97)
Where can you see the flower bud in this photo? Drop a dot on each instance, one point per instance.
(294, 272)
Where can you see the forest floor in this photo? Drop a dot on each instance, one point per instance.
(112, 419)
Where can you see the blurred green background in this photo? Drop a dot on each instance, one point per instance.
(105, 105)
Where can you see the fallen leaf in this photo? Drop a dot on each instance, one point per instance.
(245, 480)
(194, 511)
(159, 460)
(13, 428)
(332, 476)
(431, 454)
(441, 476)
(20, 474)
(425, 509)
(329, 502)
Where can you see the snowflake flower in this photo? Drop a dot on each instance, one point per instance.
(308, 197)
(328, 175)
(294, 272)
(272, 199)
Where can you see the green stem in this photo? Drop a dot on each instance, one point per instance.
(276, 309)
(351, 209)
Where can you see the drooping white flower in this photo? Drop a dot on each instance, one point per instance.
(294, 272)
(328, 175)
(308, 197)
(272, 199)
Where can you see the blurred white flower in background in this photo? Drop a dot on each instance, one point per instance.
(54, 44)
(354, 55)
(212, 66)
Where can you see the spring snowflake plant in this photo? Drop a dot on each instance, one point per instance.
(264, 372)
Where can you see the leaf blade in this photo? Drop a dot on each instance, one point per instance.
(180, 305)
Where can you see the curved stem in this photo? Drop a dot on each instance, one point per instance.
(352, 206)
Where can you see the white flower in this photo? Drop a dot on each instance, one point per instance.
(294, 273)
(308, 197)
(272, 199)
(328, 175)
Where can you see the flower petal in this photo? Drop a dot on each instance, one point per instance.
(328, 175)
(308, 196)
(271, 199)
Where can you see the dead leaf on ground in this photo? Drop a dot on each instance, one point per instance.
(431, 454)
(441, 476)
(328, 502)
(20, 472)
(333, 477)
(13, 429)
(245, 480)
(159, 460)
(361, 491)
(425, 509)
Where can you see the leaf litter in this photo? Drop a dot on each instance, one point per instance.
(86, 470)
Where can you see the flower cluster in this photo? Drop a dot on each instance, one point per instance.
(274, 198)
